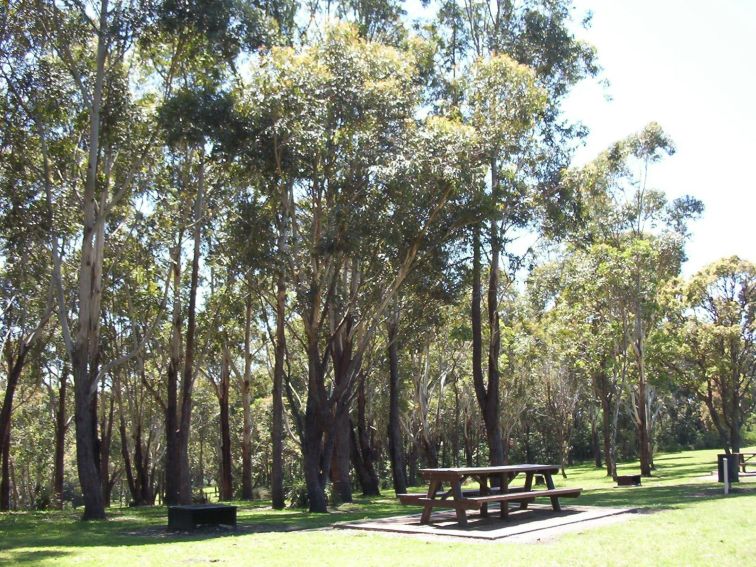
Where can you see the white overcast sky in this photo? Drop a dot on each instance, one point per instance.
(689, 65)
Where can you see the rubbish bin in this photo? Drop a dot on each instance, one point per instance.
(732, 467)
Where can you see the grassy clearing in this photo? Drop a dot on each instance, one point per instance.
(689, 522)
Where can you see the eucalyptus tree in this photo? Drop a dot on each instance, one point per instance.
(524, 164)
(713, 352)
(75, 91)
(343, 115)
(638, 237)
(504, 102)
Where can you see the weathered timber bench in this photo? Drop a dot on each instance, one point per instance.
(629, 480)
(475, 502)
(191, 516)
(413, 498)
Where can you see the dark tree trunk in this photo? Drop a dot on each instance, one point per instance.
(60, 441)
(362, 460)
(106, 429)
(492, 410)
(312, 453)
(277, 481)
(396, 453)
(5, 481)
(144, 476)
(130, 480)
(487, 395)
(602, 389)
(645, 445)
(595, 443)
(317, 447)
(226, 481)
(363, 454)
(187, 378)
(87, 450)
(172, 466)
(246, 441)
(342, 484)
(15, 366)
(341, 355)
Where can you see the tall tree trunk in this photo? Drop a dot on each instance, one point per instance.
(5, 481)
(340, 463)
(312, 453)
(492, 410)
(643, 433)
(86, 444)
(226, 484)
(595, 443)
(130, 480)
(246, 442)
(106, 429)
(172, 497)
(144, 478)
(487, 395)
(60, 440)
(341, 354)
(187, 378)
(369, 478)
(396, 452)
(84, 351)
(276, 473)
(15, 366)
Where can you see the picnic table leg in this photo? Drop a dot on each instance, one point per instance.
(550, 485)
(456, 488)
(528, 488)
(484, 491)
(428, 506)
(503, 487)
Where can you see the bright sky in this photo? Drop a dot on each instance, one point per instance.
(688, 65)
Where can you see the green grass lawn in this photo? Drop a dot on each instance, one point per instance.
(688, 521)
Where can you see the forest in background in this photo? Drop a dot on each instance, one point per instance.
(278, 244)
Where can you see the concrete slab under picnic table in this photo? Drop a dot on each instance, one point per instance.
(538, 520)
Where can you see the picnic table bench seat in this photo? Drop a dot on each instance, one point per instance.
(414, 497)
(475, 502)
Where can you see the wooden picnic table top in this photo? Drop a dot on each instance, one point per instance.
(503, 469)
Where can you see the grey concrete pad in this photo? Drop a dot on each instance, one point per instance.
(537, 520)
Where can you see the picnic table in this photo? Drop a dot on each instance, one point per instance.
(745, 459)
(495, 485)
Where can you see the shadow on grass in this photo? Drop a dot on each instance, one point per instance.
(30, 537)
(135, 527)
(24, 556)
(657, 497)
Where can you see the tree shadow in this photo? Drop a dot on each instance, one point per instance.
(32, 556)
